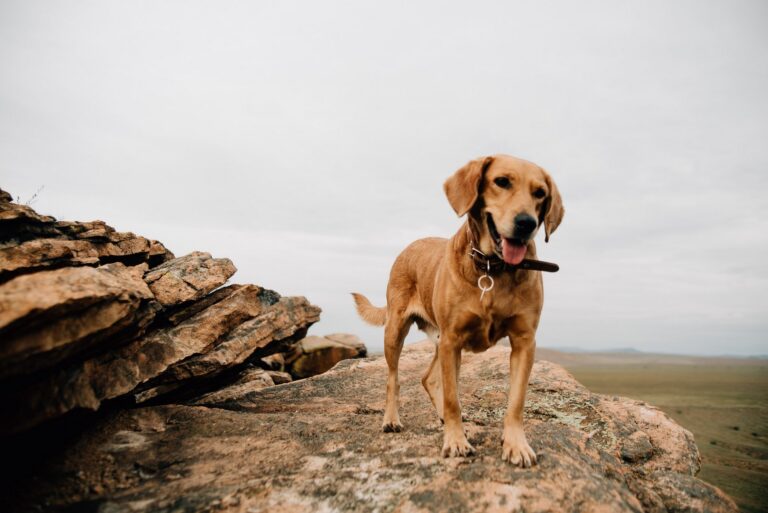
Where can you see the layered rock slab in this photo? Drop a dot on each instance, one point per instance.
(49, 316)
(31, 242)
(317, 445)
(87, 383)
(188, 278)
(281, 321)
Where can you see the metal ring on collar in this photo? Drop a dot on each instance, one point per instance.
(480, 283)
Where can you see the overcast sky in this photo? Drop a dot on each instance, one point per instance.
(308, 142)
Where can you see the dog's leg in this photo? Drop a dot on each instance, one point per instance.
(454, 440)
(394, 334)
(515, 448)
(433, 381)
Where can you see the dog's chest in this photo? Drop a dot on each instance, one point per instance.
(493, 320)
(487, 332)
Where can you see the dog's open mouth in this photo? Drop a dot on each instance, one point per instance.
(512, 251)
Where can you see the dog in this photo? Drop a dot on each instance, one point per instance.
(469, 291)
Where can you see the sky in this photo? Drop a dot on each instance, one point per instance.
(309, 141)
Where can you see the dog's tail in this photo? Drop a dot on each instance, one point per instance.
(371, 314)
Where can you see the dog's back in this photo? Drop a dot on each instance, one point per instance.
(411, 283)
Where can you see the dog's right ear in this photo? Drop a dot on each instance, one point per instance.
(463, 187)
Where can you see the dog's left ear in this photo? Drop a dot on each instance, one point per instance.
(463, 187)
(552, 210)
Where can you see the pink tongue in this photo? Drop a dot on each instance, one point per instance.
(513, 253)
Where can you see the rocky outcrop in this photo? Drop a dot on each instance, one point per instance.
(89, 315)
(164, 359)
(275, 327)
(317, 445)
(30, 242)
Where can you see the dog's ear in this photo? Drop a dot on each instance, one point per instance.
(463, 187)
(552, 210)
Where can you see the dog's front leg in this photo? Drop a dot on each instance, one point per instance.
(515, 448)
(454, 440)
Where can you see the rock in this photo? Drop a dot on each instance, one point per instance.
(636, 447)
(279, 377)
(682, 492)
(39, 254)
(13, 215)
(185, 311)
(248, 381)
(49, 316)
(350, 340)
(274, 362)
(317, 445)
(188, 278)
(85, 384)
(30, 242)
(277, 325)
(315, 355)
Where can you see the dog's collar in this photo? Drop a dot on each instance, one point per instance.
(492, 264)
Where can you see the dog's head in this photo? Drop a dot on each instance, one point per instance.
(507, 199)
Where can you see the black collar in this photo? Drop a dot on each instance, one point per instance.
(494, 265)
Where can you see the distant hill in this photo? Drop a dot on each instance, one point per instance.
(571, 349)
(570, 357)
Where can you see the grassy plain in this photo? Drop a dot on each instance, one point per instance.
(722, 401)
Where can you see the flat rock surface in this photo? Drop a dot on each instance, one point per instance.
(316, 445)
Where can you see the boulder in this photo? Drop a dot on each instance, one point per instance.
(350, 340)
(315, 355)
(86, 383)
(317, 445)
(49, 316)
(188, 278)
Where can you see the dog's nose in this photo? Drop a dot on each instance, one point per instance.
(524, 225)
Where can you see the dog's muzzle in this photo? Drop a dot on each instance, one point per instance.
(511, 249)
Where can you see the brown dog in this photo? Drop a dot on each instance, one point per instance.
(434, 283)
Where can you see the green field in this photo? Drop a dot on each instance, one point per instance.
(722, 401)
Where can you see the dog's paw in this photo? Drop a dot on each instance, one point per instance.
(517, 452)
(392, 427)
(457, 447)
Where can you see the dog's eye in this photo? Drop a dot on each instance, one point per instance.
(503, 182)
(539, 193)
